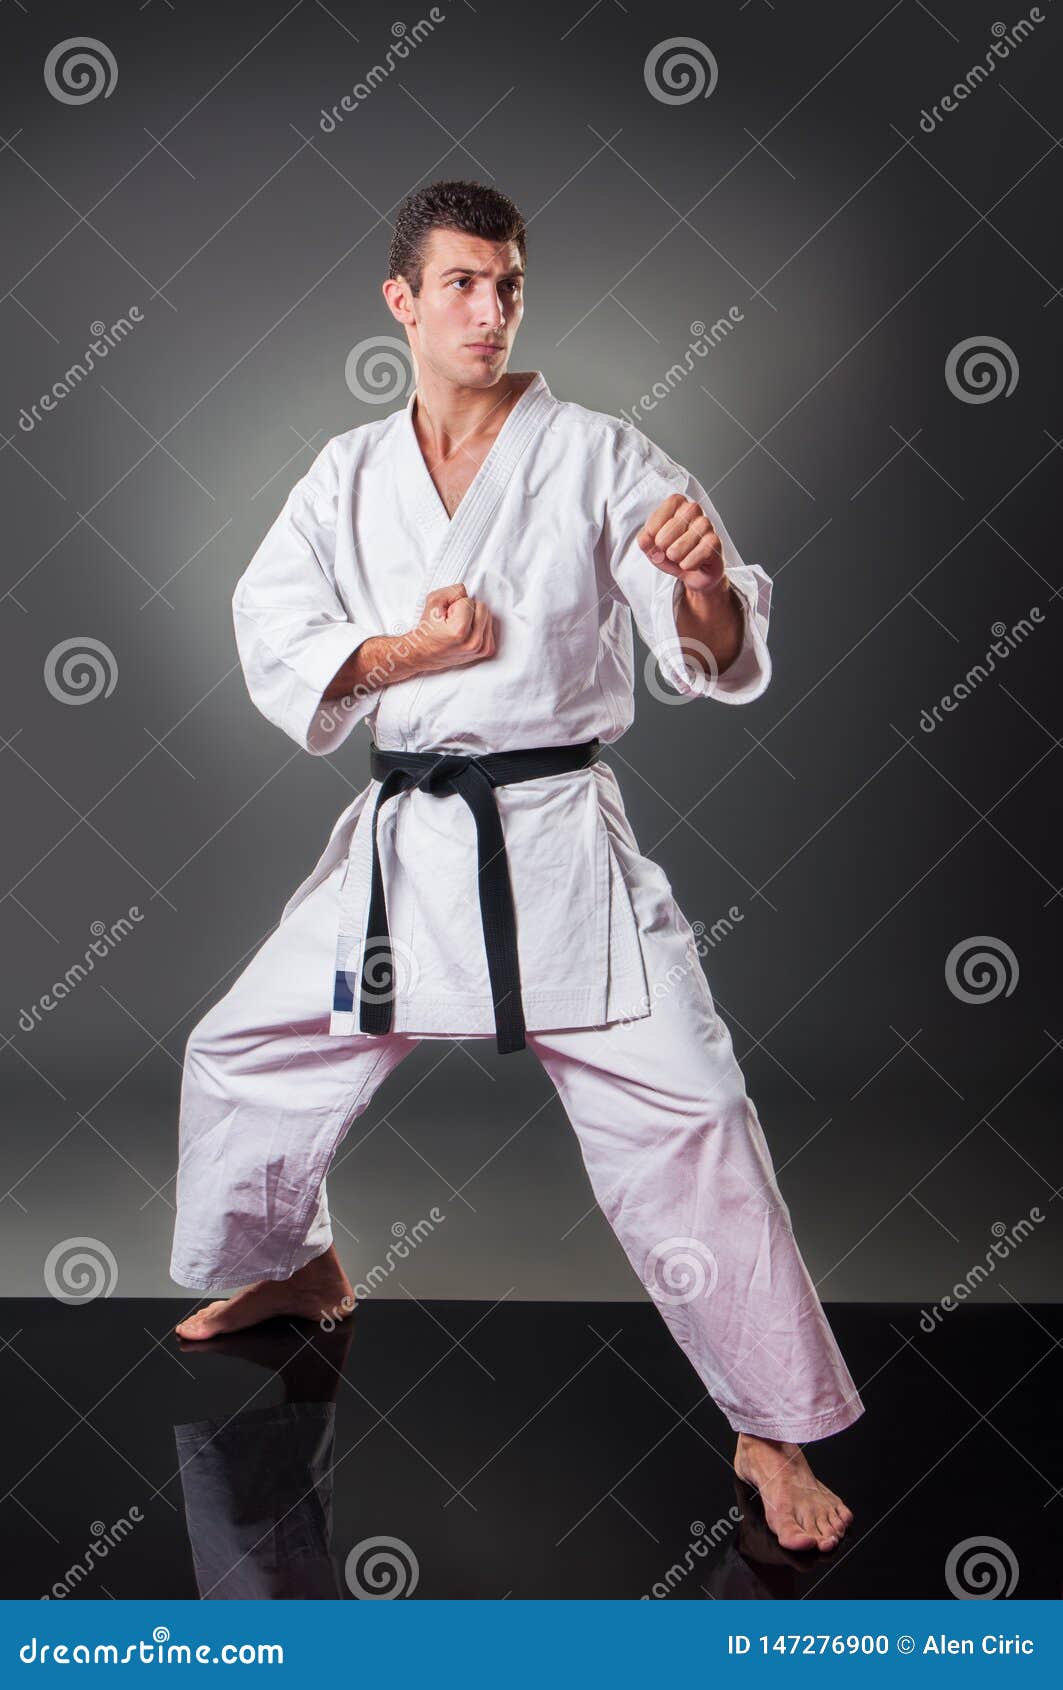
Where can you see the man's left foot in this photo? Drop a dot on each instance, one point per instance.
(318, 1291)
(802, 1512)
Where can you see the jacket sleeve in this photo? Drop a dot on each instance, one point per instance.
(644, 477)
(293, 633)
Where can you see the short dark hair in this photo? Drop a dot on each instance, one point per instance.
(470, 208)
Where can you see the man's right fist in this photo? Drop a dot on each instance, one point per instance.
(453, 629)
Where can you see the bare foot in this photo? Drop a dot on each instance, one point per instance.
(318, 1291)
(802, 1512)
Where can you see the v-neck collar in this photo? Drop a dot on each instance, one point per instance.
(503, 452)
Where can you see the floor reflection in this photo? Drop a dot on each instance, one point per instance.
(258, 1486)
(515, 1451)
(258, 1493)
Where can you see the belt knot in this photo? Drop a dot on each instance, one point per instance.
(437, 779)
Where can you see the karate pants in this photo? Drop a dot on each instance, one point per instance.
(672, 1145)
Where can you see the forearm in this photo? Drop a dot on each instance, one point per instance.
(453, 629)
(379, 661)
(714, 621)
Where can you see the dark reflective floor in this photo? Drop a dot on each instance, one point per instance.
(511, 1450)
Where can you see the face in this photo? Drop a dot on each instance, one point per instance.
(464, 320)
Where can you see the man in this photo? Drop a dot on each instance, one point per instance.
(462, 575)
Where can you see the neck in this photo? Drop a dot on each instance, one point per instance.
(448, 416)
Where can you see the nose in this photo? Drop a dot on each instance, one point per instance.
(494, 313)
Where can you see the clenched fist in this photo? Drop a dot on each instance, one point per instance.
(453, 629)
(679, 538)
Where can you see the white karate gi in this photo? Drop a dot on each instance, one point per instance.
(615, 1001)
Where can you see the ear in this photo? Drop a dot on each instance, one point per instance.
(397, 298)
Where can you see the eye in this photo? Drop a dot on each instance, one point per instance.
(513, 283)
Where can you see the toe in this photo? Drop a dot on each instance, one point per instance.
(826, 1535)
(793, 1535)
(193, 1325)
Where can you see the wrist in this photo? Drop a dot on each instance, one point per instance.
(401, 657)
(710, 602)
(714, 616)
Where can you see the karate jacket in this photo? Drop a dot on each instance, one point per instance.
(546, 536)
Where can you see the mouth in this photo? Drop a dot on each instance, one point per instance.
(483, 346)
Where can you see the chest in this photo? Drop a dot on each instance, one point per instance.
(453, 476)
(523, 536)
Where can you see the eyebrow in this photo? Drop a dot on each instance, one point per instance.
(463, 270)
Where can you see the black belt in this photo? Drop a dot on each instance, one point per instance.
(472, 778)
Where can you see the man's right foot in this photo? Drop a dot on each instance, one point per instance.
(318, 1291)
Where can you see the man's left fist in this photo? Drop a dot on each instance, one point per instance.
(679, 538)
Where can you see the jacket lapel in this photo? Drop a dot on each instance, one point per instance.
(451, 542)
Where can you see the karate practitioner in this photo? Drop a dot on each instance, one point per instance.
(462, 574)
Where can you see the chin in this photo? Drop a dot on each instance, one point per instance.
(479, 372)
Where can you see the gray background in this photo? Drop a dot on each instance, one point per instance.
(898, 520)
